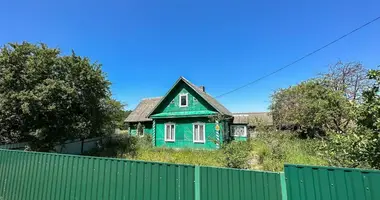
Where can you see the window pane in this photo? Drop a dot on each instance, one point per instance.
(167, 131)
(183, 100)
(195, 132)
(201, 137)
(172, 132)
(239, 131)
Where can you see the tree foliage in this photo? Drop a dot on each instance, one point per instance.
(312, 107)
(349, 78)
(48, 98)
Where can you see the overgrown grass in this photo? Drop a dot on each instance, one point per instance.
(183, 156)
(274, 149)
(269, 151)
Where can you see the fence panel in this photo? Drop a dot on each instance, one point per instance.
(69, 147)
(233, 184)
(14, 146)
(328, 183)
(39, 176)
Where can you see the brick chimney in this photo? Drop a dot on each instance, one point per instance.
(202, 88)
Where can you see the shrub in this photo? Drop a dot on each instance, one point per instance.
(349, 150)
(274, 149)
(237, 154)
(116, 146)
(144, 142)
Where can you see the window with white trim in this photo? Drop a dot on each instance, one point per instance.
(183, 100)
(199, 133)
(169, 132)
(239, 130)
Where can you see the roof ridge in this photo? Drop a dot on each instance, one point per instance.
(249, 112)
(149, 98)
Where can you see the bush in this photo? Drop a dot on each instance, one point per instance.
(274, 149)
(116, 146)
(350, 150)
(237, 154)
(144, 142)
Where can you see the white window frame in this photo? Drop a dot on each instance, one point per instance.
(204, 132)
(233, 132)
(187, 100)
(169, 140)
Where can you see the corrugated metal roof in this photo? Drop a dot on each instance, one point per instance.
(143, 109)
(252, 118)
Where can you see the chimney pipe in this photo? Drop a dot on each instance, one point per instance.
(203, 88)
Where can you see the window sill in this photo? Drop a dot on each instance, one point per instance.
(169, 140)
(199, 142)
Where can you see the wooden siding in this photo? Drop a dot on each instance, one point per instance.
(195, 102)
(184, 134)
(147, 128)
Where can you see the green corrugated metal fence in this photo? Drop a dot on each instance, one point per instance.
(233, 184)
(329, 183)
(28, 175)
(39, 176)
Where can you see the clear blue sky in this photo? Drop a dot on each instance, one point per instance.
(145, 46)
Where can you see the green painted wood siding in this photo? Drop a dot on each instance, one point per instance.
(240, 138)
(184, 133)
(147, 128)
(195, 102)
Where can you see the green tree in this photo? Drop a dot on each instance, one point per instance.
(350, 78)
(312, 107)
(369, 118)
(47, 98)
(119, 114)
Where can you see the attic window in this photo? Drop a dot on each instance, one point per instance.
(183, 100)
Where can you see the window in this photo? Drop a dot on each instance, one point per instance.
(183, 100)
(199, 133)
(239, 130)
(170, 132)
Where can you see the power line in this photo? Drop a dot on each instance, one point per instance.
(299, 59)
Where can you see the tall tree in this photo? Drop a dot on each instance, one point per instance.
(350, 78)
(360, 148)
(312, 107)
(47, 98)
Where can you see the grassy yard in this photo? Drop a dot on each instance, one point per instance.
(267, 152)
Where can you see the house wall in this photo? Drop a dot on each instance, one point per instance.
(147, 128)
(184, 133)
(171, 103)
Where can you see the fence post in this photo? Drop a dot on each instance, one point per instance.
(197, 185)
(283, 186)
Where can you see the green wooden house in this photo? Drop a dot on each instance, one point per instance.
(186, 117)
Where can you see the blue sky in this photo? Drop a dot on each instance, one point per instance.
(145, 46)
